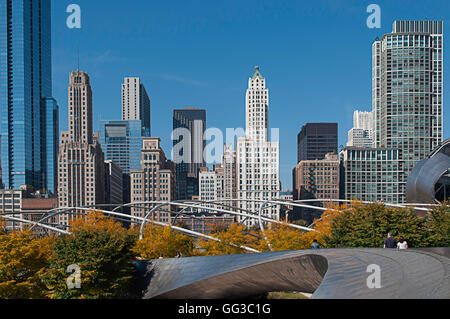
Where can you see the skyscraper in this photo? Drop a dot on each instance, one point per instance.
(121, 142)
(372, 174)
(29, 115)
(407, 89)
(155, 181)
(257, 159)
(316, 179)
(189, 125)
(362, 133)
(81, 160)
(315, 140)
(136, 103)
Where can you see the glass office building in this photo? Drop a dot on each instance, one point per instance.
(122, 142)
(191, 120)
(25, 95)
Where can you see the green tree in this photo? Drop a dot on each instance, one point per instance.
(437, 226)
(367, 226)
(101, 247)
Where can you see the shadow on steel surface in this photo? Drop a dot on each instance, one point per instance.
(327, 273)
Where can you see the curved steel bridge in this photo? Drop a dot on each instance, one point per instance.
(328, 273)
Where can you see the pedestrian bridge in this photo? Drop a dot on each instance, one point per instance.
(326, 273)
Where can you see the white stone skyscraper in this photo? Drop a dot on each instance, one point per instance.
(362, 133)
(257, 159)
(136, 103)
(257, 107)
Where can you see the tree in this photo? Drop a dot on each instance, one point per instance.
(367, 226)
(281, 237)
(22, 259)
(322, 227)
(101, 247)
(163, 242)
(230, 240)
(437, 226)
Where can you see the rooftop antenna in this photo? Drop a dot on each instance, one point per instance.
(78, 53)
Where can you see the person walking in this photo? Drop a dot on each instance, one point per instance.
(402, 244)
(389, 242)
(315, 244)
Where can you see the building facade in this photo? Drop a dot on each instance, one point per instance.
(113, 183)
(362, 133)
(316, 179)
(81, 160)
(408, 89)
(27, 204)
(28, 112)
(155, 181)
(257, 159)
(136, 104)
(202, 223)
(189, 125)
(315, 140)
(372, 174)
(11, 203)
(122, 143)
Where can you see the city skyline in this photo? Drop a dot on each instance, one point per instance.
(203, 75)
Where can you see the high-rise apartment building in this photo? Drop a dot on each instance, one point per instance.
(372, 174)
(81, 160)
(155, 181)
(408, 89)
(257, 159)
(315, 140)
(362, 133)
(136, 104)
(29, 114)
(189, 125)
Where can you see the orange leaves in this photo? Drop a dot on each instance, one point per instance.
(22, 259)
(322, 227)
(230, 240)
(163, 242)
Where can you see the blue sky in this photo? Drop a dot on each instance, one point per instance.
(316, 56)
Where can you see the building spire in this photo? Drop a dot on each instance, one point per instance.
(257, 74)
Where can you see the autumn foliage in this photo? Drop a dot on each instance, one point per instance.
(22, 261)
(31, 267)
(230, 241)
(101, 247)
(163, 242)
